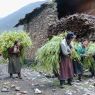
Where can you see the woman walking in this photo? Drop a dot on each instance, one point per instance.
(78, 64)
(14, 66)
(66, 67)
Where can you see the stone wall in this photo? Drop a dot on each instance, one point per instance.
(38, 26)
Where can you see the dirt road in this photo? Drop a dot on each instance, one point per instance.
(33, 81)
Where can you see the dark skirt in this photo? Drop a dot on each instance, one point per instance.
(14, 65)
(78, 67)
(66, 68)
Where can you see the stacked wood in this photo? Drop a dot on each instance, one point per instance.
(82, 24)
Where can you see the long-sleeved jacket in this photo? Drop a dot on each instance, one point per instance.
(66, 50)
(81, 50)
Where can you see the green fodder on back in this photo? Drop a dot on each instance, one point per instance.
(48, 55)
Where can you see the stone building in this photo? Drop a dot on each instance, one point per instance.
(43, 22)
(36, 23)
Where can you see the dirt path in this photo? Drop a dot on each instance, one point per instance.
(33, 80)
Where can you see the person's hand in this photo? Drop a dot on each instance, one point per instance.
(83, 55)
(69, 55)
(87, 55)
(18, 50)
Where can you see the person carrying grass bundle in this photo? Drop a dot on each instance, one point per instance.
(14, 66)
(78, 64)
(66, 67)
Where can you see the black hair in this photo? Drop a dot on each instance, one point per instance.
(84, 39)
(70, 36)
(15, 42)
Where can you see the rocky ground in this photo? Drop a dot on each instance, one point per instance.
(34, 83)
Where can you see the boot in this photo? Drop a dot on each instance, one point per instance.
(19, 76)
(69, 81)
(61, 83)
(11, 75)
(92, 75)
(79, 77)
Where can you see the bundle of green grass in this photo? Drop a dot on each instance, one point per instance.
(89, 60)
(74, 54)
(7, 40)
(48, 55)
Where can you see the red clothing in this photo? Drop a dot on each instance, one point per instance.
(66, 68)
(11, 50)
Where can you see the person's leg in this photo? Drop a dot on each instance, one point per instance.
(19, 75)
(79, 77)
(92, 74)
(70, 81)
(80, 71)
(62, 83)
(11, 75)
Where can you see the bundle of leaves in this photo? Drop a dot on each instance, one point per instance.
(91, 49)
(74, 54)
(48, 55)
(89, 60)
(7, 40)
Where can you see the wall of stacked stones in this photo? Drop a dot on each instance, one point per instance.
(38, 27)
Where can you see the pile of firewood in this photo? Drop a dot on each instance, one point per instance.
(82, 24)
